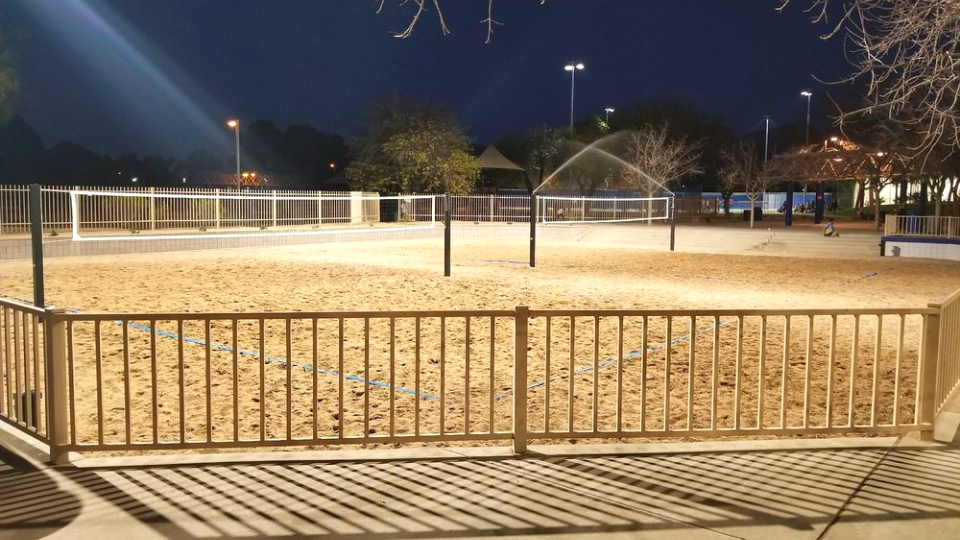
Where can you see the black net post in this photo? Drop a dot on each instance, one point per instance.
(36, 240)
(533, 230)
(446, 235)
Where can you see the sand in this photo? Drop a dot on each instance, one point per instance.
(249, 399)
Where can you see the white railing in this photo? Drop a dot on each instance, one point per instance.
(269, 209)
(940, 227)
(137, 381)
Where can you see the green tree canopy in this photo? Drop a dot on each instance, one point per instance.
(411, 147)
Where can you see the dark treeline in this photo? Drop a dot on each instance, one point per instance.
(299, 156)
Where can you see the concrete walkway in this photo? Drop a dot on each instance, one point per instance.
(835, 489)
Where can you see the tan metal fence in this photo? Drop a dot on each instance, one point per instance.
(948, 347)
(23, 369)
(940, 227)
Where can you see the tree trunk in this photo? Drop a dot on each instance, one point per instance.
(876, 203)
(861, 188)
(649, 207)
(753, 209)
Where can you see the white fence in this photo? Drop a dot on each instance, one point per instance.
(930, 226)
(156, 381)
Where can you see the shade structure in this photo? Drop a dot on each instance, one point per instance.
(491, 158)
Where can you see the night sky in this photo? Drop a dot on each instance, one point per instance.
(161, 77)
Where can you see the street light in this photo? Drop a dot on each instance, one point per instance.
(573, 68)
(807, 94)
(235, 126)
(766, 142)
(609, 110)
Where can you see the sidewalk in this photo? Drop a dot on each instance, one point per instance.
(847, 488)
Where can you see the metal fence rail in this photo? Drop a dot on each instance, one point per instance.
(930, 226)
(96, 213)
(154, 381)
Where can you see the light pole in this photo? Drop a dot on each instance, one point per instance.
(573, 68)
(766, 139)
(609, 110)
(807, 94)
(235, 125)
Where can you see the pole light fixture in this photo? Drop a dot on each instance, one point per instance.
(807, 94)
(235, 126)
(609, 110)
(573, 68)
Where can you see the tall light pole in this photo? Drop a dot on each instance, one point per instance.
(235, 125)
(573, 68)
(807, 94)
(766, 140)
(609, 110)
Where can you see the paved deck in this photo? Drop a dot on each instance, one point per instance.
(867, 488)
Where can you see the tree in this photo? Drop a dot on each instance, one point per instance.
(534, 151)
(655, 162)
(743, 169)
(682, 122)
(20, 150)
(908, 54)
(68, 162)
(412, 147)
(422, 6)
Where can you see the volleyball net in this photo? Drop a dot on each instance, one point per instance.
(588, 210)
(115, 215)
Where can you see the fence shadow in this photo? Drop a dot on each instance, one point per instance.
(31, 503)
(793, 493)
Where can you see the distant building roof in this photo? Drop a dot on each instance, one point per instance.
(491, 158)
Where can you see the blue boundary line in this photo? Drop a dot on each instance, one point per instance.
(267, 359)
(613, 361)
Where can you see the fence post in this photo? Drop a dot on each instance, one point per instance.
(521, 319)
(929, 362)
(319, 208)
(273, 210)
(153, 210)
(216, 199)
(58, 395)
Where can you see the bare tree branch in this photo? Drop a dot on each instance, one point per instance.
(656, 161)
(421, 8)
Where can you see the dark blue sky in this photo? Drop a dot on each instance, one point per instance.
(155, 76)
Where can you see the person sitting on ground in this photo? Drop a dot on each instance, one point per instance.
(829, 229)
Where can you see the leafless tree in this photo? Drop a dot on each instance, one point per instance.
(422, 6)
(908, 53)
(655, 161)
(743, 169)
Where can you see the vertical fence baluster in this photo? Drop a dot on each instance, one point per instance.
(690, 370)
(263, 378)
(806, 373)
(340, 378)
(783, 373)
(570, 373)
(643, 373)
(366, 377)
(39, 413)
(466, 377)
(315, 358)
(17, 388)
(7, 396)
(393, 380)
(26, 401)
(620, 374)
(520, 343)
(99, 368)
(493, 360)
(876, 371)
(855, 352)
(180, 382)
(289, 366)
(739, 381)
(207, 375)
(546, 375)
(443, 378)
(72, 389)
(761, 376)
(235, 345)
(416, 382)
(896, 377)
(668, 349)
(154, 391)
(126, 381)
(715, 374)
(596, 374)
